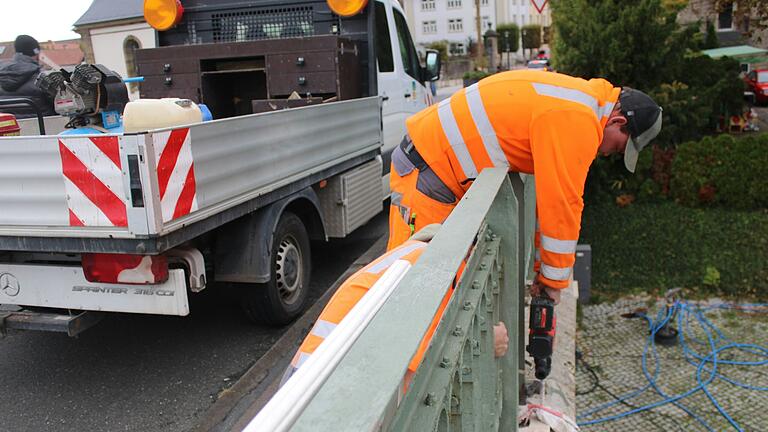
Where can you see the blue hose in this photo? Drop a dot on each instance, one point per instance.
(704, 363)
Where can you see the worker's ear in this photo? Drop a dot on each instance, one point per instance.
(617, 119)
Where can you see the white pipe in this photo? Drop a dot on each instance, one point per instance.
(285, 407)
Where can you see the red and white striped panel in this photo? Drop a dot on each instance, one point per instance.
(94, 181)
(175, 173)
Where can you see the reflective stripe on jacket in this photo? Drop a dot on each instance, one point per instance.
(535, 122)
(351, 291)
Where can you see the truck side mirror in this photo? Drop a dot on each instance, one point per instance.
(432, 69)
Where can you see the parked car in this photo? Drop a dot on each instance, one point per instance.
(539, 64)
(757, 83)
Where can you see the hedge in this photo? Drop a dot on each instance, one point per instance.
(654, 247)
(723, 171)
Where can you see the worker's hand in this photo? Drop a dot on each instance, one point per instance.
(537, 288)
(500, 339)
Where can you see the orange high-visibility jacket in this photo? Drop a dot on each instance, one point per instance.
(534, 122)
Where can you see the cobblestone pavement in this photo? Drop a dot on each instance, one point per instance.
(612, 346)
(762, 118)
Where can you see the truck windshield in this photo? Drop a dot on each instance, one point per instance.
(762, 77)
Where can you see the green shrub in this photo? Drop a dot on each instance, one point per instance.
(531, 36)
(476, 75)
(654, 247)
(722, 171)
(609, 178)
(509, 37)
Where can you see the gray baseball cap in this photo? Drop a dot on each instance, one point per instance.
(643, 121)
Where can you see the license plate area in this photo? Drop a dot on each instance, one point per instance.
(66, 288)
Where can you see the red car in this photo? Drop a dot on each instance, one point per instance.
(757, 83)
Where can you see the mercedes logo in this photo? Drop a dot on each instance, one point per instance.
(9, 285)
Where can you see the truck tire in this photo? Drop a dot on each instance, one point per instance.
(283, 298)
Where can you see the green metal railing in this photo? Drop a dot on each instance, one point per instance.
(460, 385)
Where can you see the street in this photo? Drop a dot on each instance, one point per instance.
(147, 373)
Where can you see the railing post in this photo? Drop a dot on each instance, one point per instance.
(519, 188)
(504, 220)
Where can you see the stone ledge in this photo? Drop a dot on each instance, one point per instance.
(560, 386)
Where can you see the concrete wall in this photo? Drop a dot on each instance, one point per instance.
(107, 44)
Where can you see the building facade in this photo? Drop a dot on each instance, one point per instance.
(733, 27)
(522, 13)
(454, 21)
(111, 32)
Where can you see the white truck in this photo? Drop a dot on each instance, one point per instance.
(135, 222)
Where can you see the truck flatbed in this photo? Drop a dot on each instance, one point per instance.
(224, 169)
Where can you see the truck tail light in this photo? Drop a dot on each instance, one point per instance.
(9, 126)
(125, 269)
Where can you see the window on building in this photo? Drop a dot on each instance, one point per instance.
(725, 18)
(457, 48)
(454, 4)
(130, 45)
(483, 2)
(455, 25)
(429, 27)
(407, 50)
(487, 24)
(427, 5)
(383, 41)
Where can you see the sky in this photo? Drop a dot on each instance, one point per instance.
(42, 19)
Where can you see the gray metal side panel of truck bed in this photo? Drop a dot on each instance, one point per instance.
(240, 165)
(239, 159)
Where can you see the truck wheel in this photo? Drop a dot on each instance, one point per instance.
(283, 298)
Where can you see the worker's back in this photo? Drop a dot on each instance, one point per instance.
(17, 80)
(498, 121)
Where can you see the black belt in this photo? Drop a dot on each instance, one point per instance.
(412, 154)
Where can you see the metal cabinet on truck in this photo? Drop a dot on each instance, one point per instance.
(229, 76)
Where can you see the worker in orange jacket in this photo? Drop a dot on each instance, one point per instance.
(542, 123)
(356, 286)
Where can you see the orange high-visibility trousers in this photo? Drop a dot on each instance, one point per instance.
(351, 291)
(410, 210)
(419, 197)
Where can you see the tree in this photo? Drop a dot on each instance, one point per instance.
(531, 36)
(509, 37)
(710, 40)
(633, 43)
(639, 44)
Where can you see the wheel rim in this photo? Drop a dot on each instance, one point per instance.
(290, 272)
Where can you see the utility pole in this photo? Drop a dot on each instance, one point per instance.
(480, 45)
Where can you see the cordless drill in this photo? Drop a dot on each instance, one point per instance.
(541, 335)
